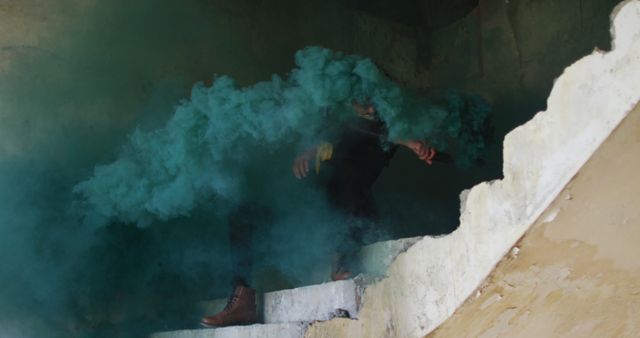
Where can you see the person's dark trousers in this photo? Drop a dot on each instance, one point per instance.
(241, 228)
(356, 202)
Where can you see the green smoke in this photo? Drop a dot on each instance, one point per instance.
(210, 148)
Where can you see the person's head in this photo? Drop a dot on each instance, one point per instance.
(366, 110)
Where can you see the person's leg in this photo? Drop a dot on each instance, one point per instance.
(359, 225)
(355, 201)
(241, 228)
(241, 307)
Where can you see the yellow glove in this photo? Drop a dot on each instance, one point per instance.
(323, 153)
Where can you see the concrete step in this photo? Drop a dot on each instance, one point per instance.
(375, 259)
(304, 304)
(287, 330)
(315, 302)
(320, 301)
(287, 312)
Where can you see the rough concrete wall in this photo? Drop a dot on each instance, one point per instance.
(515, 45)
(141, 48)
(426, 284)
(104, 66)
(508, 51)
(392, 45)
(43, 28)
(575, 273)
(250, 40)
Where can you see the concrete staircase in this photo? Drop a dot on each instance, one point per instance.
(287, 330)
(287, 313)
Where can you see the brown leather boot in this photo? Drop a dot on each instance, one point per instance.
(339, 271)
(240, 310)
(340, 274)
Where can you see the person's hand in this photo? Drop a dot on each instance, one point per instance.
(424, 152)
(301, 164)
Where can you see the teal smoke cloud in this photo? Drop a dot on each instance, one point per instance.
(210, 148)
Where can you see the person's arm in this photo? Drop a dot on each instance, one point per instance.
(319, 153)
(301, 163)
(420, 148)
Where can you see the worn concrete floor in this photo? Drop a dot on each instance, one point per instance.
(576, 273)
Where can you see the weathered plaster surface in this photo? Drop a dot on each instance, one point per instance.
(576, 273)
(289, 330)
(427, 283)
(286, 306)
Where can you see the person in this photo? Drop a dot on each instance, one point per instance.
(353, 164)
(362, 151)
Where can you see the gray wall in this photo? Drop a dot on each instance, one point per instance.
(508, 51)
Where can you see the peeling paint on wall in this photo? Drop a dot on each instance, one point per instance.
(577, 273)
